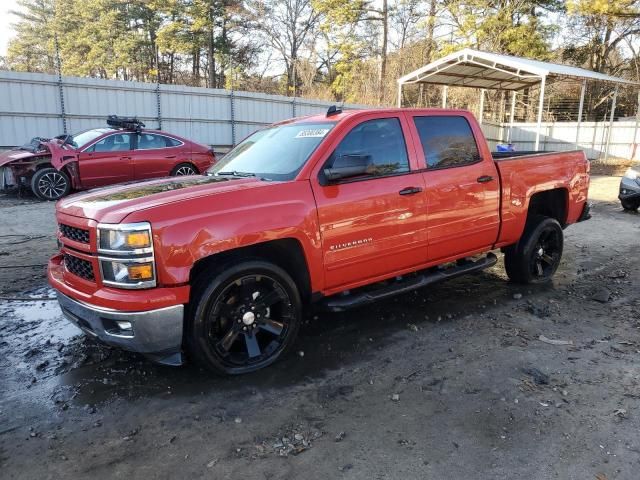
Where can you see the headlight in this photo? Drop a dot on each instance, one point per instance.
(125, 253)
(128, 273)
(124, 238)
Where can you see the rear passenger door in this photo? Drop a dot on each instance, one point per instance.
(462, 186)
(156, 155)
(373, 225)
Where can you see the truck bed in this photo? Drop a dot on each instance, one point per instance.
(522, 176)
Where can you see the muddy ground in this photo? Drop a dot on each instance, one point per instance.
(449, 382)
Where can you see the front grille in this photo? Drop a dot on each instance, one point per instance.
(79, 267)
(73, 233)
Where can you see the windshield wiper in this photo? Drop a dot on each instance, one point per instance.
(237, 174)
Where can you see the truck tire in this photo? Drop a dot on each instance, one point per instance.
(184, 169)
(50, 184)
(535, 258)
(243, 317)
(630, 205)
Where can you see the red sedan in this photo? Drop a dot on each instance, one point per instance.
(122, 152)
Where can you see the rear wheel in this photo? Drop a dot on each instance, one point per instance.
(50, 184)
(243, 318)
(536, 257)
(184, 169)
(631, 205)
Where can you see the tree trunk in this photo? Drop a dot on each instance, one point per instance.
(383, 53)
(431, 25)
(212, 50)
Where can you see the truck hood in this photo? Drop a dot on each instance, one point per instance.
(112, 204)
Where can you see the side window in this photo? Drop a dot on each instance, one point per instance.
(147, 141)
(118, 142)
(447, 141)
(381, 141)
(172, 142)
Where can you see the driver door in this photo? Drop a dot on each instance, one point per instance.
(372, 226)
(107, 161)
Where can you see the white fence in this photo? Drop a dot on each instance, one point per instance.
(35, 104)
(624, 142)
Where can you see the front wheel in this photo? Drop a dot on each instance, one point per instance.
(630, 205)
(536, 257)
(244, 318)
(50, 184)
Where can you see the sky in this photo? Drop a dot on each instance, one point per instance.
(6, 19)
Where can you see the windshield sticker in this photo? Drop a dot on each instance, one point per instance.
(314, 133)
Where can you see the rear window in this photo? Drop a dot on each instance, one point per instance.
(447, 141)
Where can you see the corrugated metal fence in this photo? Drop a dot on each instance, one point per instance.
(31, 105)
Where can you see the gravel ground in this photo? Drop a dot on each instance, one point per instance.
(474, 378)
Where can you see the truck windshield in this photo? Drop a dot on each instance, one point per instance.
(275, 153)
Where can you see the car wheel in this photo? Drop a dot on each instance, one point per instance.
(50, 184)
(630, 205)
(243, 318)
(536, 257)
(184, 169)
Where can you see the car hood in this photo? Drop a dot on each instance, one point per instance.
(14, 155)
(112, 204)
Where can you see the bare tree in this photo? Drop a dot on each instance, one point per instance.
(288, 25)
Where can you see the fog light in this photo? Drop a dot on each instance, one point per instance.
(125, 325)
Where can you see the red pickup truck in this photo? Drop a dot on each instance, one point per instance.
(343, 209)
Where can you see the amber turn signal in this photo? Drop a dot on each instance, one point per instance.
(138, 239)
(143, 271)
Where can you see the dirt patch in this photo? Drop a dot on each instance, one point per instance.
(456, 380)
(27, 241)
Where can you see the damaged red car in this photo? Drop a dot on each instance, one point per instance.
(123, 151)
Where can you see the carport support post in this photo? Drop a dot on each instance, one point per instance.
(613, 111)
(399, 104)
(540, 107)
(481, 112)
(634, 142)
(445, 89)
(580, 108)
(511, 114)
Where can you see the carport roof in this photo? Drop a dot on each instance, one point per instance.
(477, 69)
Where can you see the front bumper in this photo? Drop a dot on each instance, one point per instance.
(155, 333)
(629, 189)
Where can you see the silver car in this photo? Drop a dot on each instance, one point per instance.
(630, 189)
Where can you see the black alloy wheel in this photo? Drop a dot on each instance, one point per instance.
(245, 319)
(546, 253)
(536, 257)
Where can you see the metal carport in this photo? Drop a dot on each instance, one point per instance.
(492, 71)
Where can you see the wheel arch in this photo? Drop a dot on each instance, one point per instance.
(287, 253)
(552, 203)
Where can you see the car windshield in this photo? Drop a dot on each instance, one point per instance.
(82, 138)
(275, 153)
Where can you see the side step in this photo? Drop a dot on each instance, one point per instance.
(339, 303)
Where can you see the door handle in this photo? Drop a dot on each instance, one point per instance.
(410, 191)
(484, 179)
(170, 156)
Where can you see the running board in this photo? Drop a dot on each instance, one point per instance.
(341, 302)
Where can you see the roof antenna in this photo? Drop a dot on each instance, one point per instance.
(333, 110)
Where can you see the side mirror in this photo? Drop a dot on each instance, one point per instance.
(346, 166)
